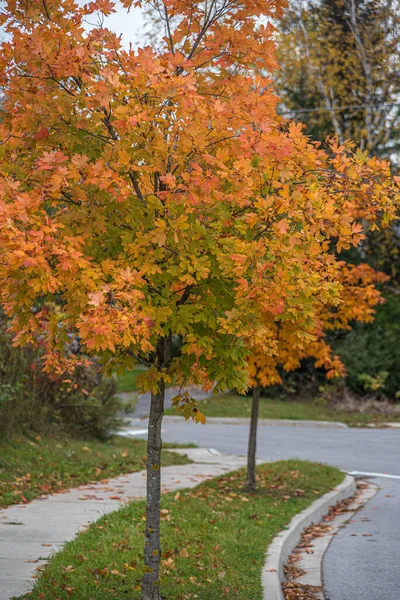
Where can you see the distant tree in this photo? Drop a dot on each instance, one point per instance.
(294, 340)
(340, 60)
(340, 74)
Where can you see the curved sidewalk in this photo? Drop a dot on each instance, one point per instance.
(31, 533)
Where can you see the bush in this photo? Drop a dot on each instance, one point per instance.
(301, 384)
(371, 353)
(34, 401)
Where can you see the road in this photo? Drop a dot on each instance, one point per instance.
(362, 561)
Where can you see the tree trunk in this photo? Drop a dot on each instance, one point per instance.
(152, 546)
(251, 453)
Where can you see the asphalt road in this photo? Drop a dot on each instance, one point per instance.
(362, 561)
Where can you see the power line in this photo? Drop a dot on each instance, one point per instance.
(338, 108)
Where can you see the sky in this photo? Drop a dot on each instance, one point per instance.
(130, 25)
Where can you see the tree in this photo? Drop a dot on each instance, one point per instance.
(340, 70)
(151, 194)
(339, 74)
(296, 340)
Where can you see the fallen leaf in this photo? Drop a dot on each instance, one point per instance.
(69, 569)
(221, 575)
(168, 563)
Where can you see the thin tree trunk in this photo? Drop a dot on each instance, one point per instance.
(152, 546)
(251, 453)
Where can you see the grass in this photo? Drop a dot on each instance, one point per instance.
(233, 405)
(32, 467)
(214, 539)
(127, 381)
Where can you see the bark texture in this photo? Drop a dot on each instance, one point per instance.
(152, 547)
(252, 447)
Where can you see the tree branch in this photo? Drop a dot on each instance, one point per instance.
(136, 187)
(46, 10)
(185, 295)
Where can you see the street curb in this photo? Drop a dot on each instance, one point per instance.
(309, 560)
(277, 422)
(284, 543)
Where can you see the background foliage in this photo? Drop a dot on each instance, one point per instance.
(371, 353)
(339, 75)
(34, 401)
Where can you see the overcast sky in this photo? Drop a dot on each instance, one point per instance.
(129, 25)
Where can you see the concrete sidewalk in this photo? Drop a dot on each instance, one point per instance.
(31, 533)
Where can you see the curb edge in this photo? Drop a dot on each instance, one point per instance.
(283, 544)
(275, 422)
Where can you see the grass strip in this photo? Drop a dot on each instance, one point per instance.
(126, 382)
(32, 467)
(233, 405)
(214, 539)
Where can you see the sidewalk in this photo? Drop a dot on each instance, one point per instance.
(31, 533)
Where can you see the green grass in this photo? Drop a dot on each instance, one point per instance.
(214, 539)
(233, 405)
(32, 467)
(127, 381)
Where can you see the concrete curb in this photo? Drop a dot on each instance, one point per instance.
(246, 421)
(385, 425)
(309, 560)
(284, 543)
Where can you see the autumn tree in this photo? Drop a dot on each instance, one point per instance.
(294, 340)
(339, 75)
(152, 193)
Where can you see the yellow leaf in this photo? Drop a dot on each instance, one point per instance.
(200, 418)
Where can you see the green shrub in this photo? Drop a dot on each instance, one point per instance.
(371, 353)
(34, 401)
(303, 383)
